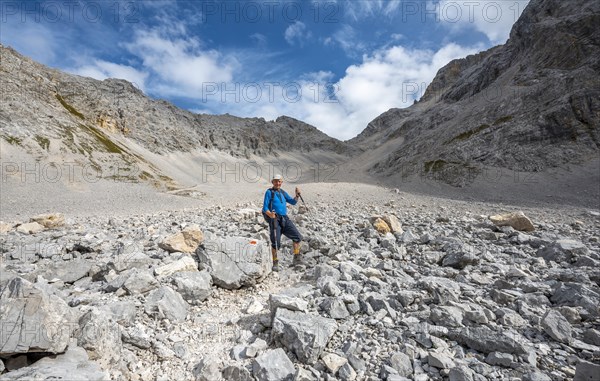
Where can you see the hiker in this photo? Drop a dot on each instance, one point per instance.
(275, 212)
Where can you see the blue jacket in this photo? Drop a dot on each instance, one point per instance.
(279, 202)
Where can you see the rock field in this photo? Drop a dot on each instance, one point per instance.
(393, 287)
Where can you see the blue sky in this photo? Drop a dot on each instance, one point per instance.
(334, 64)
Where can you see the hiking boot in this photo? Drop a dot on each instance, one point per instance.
(275, 267)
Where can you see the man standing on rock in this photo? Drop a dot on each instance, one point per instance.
(275, 210)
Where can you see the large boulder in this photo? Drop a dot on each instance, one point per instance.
(393, 223)
(273, 365)
(557, 327)
(50, 220)
(518, 221)
(442, 290)
(587, 371)
(185, 263)
(186, 241)
(33, 320)
(459, 255)
(74, 364)
(485, 340)
(139, 282)
(235, 262)
(166, 303)
(68, 272)
(129, 256)
(303, 334)
(208, 369)
(30, 228)
(381, 226)
(123, 312)
(563, 250)
(100, 336)
(134, 281)
(194, 286)
(577, 295)
(288, 302)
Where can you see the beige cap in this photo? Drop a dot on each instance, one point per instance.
(277, 177)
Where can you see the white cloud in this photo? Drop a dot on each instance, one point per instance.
(394, 77)
(360, 9)
(346, 38)
(493, 18)
(259, 39)
(179, 66)
(391, 77)
(102, 69)
(297, 33)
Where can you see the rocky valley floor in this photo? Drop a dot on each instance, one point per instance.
(433, 290)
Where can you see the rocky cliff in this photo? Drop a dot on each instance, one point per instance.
(529, 105)
(52, 114)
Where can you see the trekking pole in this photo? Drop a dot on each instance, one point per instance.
(303, 203)
(275, 233)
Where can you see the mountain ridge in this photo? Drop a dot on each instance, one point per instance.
(529, 105)
(49, 113)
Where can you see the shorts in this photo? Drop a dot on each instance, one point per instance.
(286, 227)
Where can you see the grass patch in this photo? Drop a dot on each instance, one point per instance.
(43, 142)
(108, 144)
(13, 141)
(466, 135)
(504, 119)
(69, 108)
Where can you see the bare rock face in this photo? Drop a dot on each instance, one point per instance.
(45, 112)
(40, 322)
(528, 105)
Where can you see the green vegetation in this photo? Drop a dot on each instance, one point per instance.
(43, 142)
(108, 144)
(468, 134)
(504, 119)
(69, 108)
(435, 166)
(13, 141)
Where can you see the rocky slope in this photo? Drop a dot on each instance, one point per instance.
(529, 105)
(431, 291)
(58, 116)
